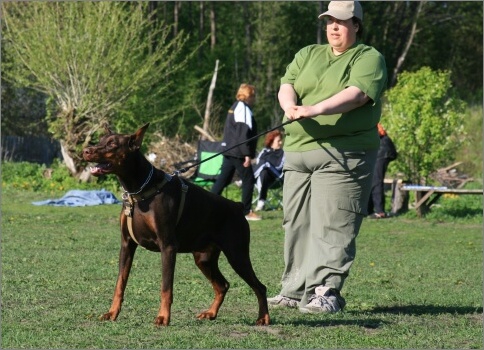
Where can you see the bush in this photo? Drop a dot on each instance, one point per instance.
(425, 120)
(55, 179)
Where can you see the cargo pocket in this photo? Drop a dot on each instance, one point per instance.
(344, 224)
(353, 205)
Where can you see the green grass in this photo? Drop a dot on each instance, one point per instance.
(416, 283)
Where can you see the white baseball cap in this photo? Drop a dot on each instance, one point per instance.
(343, 10)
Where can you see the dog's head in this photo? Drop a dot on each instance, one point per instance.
(113, 151)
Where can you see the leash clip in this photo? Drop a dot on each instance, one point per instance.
(128, 210)
(128, 206)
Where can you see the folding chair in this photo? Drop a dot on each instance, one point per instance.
(208, 171)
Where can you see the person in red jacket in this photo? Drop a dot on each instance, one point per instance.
(240, 126)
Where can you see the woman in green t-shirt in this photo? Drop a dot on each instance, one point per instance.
(333, 91)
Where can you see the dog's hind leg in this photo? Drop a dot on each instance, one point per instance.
(126, 254)
(207, 262)
(239, 259)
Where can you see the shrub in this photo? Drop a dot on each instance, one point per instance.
(55, 179)
(425, 120)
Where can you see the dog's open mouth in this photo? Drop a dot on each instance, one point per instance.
(100, 169)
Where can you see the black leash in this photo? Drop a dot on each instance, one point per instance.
(184, 170)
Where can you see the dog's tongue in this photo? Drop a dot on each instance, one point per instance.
(99, 169)
(95, 170)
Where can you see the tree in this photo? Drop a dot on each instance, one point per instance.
(444, 35)
(254, 42)
(95, 61)
(425, 121)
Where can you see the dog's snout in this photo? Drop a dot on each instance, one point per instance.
(87, 152)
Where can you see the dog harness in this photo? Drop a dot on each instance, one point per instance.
(129, 199)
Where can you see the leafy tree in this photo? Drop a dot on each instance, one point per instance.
(253, 41)
(95, 61)
(425, 121)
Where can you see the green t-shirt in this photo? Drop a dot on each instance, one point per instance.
(317, 74)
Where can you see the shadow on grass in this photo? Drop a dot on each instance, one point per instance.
(461, 212)
(312, 321)
(428, 310)
(375, 323)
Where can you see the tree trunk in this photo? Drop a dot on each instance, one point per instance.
(399, 198)
(248, 40)
(206, 118)
(176, 9)
(411, 36)
(201, 28)
(213, 34)
(319, 33)
(68, 160)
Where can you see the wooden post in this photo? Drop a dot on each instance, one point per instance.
(420, 206)
(399, 198)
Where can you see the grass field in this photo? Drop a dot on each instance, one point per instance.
(416, 283)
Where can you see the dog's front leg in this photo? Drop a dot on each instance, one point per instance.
(168, 260)
(126, 254)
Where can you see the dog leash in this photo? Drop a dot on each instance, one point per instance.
(184, 170)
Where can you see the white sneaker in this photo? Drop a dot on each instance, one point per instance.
(260, 205)
(325, 300)
(253, 216)
(281, 300)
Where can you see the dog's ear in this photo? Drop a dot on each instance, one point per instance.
(137, 138)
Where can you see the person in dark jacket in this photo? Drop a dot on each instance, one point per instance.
(386, 153)
(269, 164)
(240, 126)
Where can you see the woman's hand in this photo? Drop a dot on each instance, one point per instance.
(247, 162)
(344, 101)
(298, 112)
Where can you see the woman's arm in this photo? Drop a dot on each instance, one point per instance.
(344, 101)
(287, 99)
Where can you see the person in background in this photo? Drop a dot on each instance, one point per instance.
(240, 126)
(269, 165)
(386, 153)
(333, 92)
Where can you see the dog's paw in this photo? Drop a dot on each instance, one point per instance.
(263, 321)
(109, 316)
(162, 321)
(206, 315)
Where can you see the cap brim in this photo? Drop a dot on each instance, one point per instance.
(343, 16)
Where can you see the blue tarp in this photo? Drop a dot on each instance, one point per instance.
(80, 198)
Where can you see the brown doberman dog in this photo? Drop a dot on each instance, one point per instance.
(167, 214)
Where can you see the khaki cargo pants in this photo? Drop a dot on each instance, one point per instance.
(325, 199)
